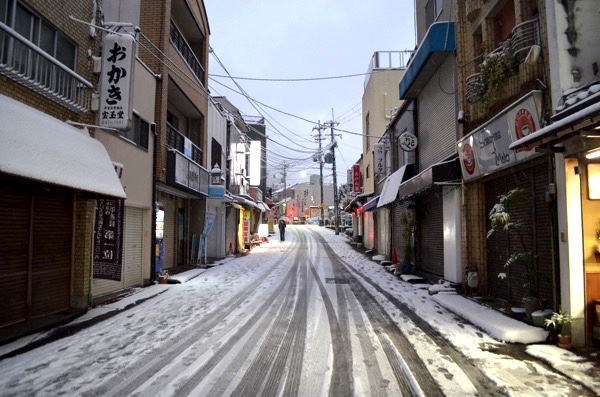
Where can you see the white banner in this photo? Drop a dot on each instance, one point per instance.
(118, 57)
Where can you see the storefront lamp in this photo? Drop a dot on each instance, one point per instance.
(215, 175)
(593, 179)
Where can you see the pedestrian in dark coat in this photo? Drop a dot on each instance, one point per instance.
(282, 230)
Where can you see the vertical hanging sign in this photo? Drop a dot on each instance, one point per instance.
(356, 178)
(108, 239)
(379, 159)
(118, 58)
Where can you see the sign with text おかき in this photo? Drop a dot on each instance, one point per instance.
(118, 58)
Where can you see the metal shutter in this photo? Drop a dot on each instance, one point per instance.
(437, 123)
(430, 233)
(133, 245)
(383, 232)
(51, 250)
(14, 246)
(536, 214)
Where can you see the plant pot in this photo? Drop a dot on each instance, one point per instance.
(564, 341)
(162, 280)
(531, 305)
(406, 268)
(539, 317)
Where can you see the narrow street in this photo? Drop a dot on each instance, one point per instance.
(303, 317)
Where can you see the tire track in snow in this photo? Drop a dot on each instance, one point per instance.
(141, 372)
(483, 385)
(392, 340)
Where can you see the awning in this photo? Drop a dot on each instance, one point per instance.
(40, 147)
(445, 171)
(357, 202)
(561, 129)
(370, 205)
(262, 206)
(436, 45)
(389, 192)
(244, 202)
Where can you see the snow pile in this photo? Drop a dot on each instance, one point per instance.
(499, 326)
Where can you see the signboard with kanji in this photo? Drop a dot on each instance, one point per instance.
(379, 159)
(108, 239)
(118, 57)
(356, 178)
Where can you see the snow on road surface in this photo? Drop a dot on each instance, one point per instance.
(300, 317)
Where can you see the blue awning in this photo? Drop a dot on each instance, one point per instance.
(371, 205)
(437, 44)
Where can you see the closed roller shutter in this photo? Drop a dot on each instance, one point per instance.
(437, 117)
(51, 250)
(430, 234)
(132, 250)
(536, 217)
(383, 232)
(14, 247)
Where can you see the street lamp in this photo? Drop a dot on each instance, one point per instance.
(215, 175)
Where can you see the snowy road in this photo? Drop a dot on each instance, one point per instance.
(307, 317)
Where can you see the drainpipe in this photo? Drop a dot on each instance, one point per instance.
(153, 221)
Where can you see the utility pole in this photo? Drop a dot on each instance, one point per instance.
(319, 139)
(332, 124)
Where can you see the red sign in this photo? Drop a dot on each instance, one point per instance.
(469, 158)
(356, 178)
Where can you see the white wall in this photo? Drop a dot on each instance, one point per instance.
(453, 269)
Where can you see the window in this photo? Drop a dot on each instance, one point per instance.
(39, 32)
(368, 171)
(138, 133)
(432, 11)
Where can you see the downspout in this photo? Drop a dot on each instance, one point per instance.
(153, 222)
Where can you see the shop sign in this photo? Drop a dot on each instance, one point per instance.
(356, 178)
(108, 239)
(486, 150)
(408, 141)
(118, 60)
(186, 173)
(379, 159)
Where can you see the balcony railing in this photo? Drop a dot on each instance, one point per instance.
(384, 60)
(186, 52)
(524, 36)
(176, 140)
(27, 64)
(474, 88)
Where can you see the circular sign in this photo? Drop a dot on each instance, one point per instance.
(408, 141)
(468, 158)
(524, 123)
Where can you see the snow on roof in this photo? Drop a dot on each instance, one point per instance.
(41, 147)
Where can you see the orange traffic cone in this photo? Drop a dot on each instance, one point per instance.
(394, 257)
(264, 239)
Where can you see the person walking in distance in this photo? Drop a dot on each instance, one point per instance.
(281, 230)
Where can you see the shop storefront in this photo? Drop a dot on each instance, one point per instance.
(572, 143)
(491, 171)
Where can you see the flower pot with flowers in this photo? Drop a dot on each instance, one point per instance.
(558, 322)
(501, 220)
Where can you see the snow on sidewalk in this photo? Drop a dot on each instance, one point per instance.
(496, 324)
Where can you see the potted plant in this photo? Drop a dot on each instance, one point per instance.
(501, 220)
(496, 68)
(557, 322)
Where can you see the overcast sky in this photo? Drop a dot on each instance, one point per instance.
(309, 39)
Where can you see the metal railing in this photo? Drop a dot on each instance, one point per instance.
(24, 62)
(384, 60)
(474, 88)
(524, 36)
(176, 140)
(186, 52)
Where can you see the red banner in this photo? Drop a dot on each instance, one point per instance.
(356, 178)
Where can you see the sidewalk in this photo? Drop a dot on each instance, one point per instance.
(579, 364)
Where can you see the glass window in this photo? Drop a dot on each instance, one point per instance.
(65, 51)
(138, 133)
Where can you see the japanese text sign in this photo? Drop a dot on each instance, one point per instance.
(108, 239)
(118, 57)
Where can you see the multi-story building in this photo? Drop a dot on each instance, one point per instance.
(502, 94)
(176, 34)
(53, 173)
(569, 140)
(379, 103)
